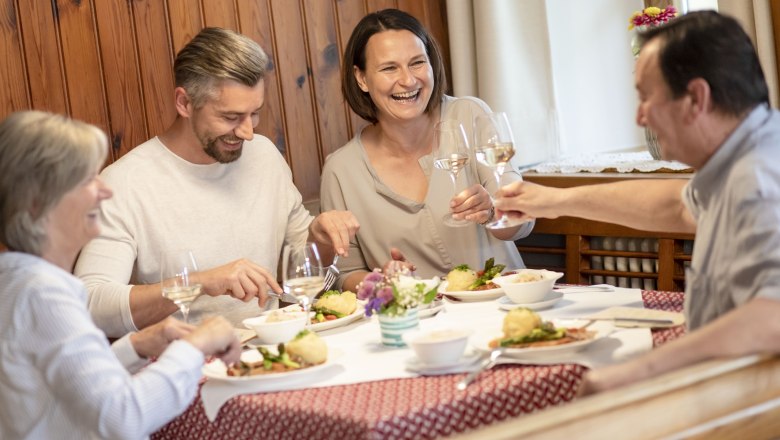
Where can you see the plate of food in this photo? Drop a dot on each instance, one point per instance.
(465, 284)
(333, 309)
(526, 334)
(303, 356)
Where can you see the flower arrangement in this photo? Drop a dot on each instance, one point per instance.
(392, 294)
(649, 17)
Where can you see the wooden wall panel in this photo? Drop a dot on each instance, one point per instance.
(42, 55)
(219, 13)
(326, 67)
(123, 89)
(13, 87)
(294, 72)
(81, 60)
(185, 21)
(110, 62)
(155, 60)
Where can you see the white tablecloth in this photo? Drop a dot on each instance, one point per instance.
(360, 356)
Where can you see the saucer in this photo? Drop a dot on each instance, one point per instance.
(504, 303)
(467, 360)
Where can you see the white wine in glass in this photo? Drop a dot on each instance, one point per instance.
(495, 147)
(451, 153)
(177, 285)
(303, 274)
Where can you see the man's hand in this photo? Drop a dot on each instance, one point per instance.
(527, 201)
(153, 340)
(241, 279)
(397, 263)
(472, 204)
(216, 337)
(334, 228)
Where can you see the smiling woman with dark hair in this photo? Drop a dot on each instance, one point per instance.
(393, 77)
(59, 378)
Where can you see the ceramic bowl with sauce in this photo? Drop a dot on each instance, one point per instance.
(275, 328)
(528, 286)
(438, 346)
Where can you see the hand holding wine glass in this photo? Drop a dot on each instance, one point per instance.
(451, 153)
(303, 274)
(177, 284)
(494, 149)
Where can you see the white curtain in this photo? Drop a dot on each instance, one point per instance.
(756, 17)
(562, 70)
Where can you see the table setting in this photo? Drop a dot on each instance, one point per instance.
(478, 385)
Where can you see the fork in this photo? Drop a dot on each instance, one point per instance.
(331, 275)
(486, 364)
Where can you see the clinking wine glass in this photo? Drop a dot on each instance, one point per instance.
(494, 149)
(303, 274)
(178, 286)
(451, 153)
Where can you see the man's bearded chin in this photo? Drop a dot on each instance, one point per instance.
(219, 155)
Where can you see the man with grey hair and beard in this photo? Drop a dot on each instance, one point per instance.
(207, 184)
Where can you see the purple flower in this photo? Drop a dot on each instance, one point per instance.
(375, 276)
(385, 294)
(365, 290)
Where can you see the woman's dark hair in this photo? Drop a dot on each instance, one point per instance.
(355, 55)
(708, 45)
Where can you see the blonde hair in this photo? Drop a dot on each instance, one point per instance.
(215, 55)
(42, 157)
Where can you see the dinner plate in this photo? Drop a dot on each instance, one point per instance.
(602, 329)
(216, 370)
(504, 303)
(468, 359)
(327, 325)
(431, 309)
(471, 295)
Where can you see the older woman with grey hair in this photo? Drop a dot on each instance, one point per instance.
(59, 378)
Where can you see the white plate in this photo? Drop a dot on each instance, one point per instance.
(504, 303)
(216, 370)
(433, 308)
(471, 295)
(468, 359)
(327, 325)
(602, 329)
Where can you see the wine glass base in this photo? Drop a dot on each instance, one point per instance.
(454, 223)
(504, 223)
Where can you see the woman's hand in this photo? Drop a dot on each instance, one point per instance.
(216, 337)
(472, 204)
(153, 340)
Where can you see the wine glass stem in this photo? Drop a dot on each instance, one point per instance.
(185, 313)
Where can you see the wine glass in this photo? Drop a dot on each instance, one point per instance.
(177, 285)
(303, 274)
(494, 149)
(451, 153)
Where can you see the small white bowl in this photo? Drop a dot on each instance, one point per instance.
(276, 332)
(438, 346)
(527, 292)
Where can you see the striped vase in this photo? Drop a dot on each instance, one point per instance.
(392, 327)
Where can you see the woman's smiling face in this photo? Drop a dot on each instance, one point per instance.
(398, 75)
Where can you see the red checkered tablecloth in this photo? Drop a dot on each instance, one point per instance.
(422, 407)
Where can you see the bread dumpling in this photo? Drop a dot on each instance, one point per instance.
(307, 348)
(520, 322)
(460, 278)
(337, 303)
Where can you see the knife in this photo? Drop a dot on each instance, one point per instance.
(284, 297)
(659, 321)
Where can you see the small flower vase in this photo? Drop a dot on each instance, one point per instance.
(392, 327)
(652, 144)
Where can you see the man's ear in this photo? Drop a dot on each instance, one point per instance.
(183, 102)
(699, 96)
(360, 77)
